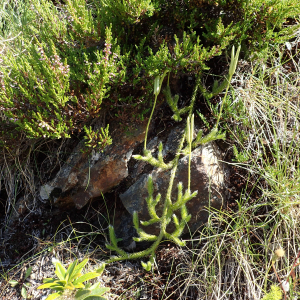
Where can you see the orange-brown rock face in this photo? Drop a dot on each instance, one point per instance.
(84, 177)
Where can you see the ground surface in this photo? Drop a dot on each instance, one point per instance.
(35, 237)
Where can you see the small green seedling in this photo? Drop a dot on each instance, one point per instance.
(24, 285)
(70, 282)
(97, 139)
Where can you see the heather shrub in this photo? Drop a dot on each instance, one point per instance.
(68, 60)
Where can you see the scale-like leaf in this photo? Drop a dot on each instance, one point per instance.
(175, 220)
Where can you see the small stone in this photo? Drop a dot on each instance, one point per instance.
(285, 285)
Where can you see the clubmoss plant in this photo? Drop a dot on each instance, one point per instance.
(168, 211)
(170, 207)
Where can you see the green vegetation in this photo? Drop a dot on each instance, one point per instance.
(169, 207)
(274, 294)
(97, 139)
(63, 63)
(70, 282)
(24, 285)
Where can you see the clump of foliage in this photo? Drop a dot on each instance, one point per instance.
(96, 140)
(274, 294)
(70, 282)
(59, 71)
(36, 93)
(129, 11)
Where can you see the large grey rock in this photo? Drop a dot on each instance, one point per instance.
(208, 175)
